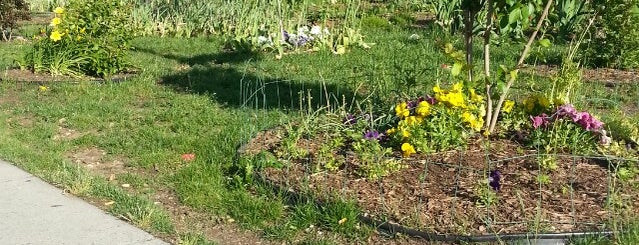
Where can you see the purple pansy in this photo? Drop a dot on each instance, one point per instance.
(431, 100)
(349, 119)
(494, 180)
(373, 135)
(541, 120)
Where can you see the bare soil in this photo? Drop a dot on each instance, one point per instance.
(439, 193)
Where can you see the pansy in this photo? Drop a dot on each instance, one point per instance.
(508, 106)
(540, 120)
(349, 119)
(401, 110)
(423, 108)
(373, 135)
(408, 149)
(494, 179)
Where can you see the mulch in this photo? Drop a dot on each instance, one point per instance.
(439, 193)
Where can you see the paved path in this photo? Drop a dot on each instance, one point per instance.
(35, 212)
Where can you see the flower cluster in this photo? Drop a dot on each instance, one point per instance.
(536, 104)
(568, 112)
(446, 114)
(57, 33)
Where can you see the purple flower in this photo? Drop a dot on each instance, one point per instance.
(349, 119)
(412, 104)
(493, 180)
(373, 135)
(540, 120)
(431, 100)
(567, 110)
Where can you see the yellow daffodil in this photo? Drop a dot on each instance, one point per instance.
(508, 106)
(408, 149)
(401, 110)
(56, 36)
(55, 21)
(423, 109)
(58, 10)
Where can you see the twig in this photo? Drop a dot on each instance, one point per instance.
(523, 56)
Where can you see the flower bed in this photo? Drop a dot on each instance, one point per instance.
(442, 192)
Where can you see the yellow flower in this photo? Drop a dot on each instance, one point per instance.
(55, 21)
(457, 88)
(42, 88)
(508, 106)
(559, 101)
(58, 10)
(437, 89)
(529, 103)
(413, 120)
(423, 109)
(543, 101)
(408, 149)
(474, 97)
(56, 36)
(405, 133)
(83, 30)
(401, 110)
(390, 131)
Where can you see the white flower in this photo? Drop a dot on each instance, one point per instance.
(316, 30)
(302, 30)
(414, 37)
(263, 40)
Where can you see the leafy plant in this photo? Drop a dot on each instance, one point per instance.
(615, 35)
(88, 38)
(11, 11)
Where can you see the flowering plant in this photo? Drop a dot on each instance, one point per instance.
(440, 122)
(86, 38)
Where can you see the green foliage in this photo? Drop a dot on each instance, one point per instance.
(84, 39)
(375, 161)
(569, 17)
(564, 136)
(614, 37)
(11, 11)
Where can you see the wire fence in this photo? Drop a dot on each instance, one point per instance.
(451, 196)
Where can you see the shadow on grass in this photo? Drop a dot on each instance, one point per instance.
(223, 77)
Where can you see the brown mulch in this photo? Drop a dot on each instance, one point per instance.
(606, 75)
(437, 193)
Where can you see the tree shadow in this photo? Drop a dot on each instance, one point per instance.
(218, 76)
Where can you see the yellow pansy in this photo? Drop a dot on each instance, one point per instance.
(401, 110)
(58, 10)
(56, 36)
(391, 131)
(423, 109)
(474, 97)
(508, 106)
(408, 149)
(413, 120)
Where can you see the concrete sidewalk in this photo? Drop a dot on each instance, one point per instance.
(35, 212)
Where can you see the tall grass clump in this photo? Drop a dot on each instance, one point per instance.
(271, 25)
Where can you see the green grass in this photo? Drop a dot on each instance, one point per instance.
(193, 97)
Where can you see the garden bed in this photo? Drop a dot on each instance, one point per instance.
(440, 193)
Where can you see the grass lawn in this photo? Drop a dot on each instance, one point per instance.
(125, 146)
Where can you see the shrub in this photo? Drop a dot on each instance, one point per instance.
(84, 39)
(615, 36)
(11, 11)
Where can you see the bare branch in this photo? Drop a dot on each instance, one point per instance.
(523, 56)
